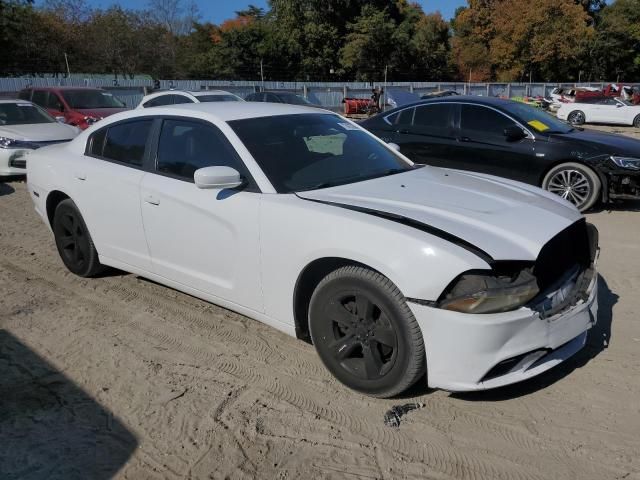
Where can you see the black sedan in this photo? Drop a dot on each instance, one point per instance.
(516, 141)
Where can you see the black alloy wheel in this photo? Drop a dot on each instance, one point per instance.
(364, 332)
(73, 240)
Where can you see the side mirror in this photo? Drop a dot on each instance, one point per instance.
(60, 120)
(394, 146)
(217, 177)
(514, 133)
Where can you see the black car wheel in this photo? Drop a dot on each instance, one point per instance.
(73, 240)
(636, 122)
(576, 118)
(574, 182)
(365, 333)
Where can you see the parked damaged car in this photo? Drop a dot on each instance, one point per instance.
(606, 110)
(516, 141)
(299, 218)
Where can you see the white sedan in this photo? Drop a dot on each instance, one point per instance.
(173, 97)
(607, 110)
(300, 219)
(25, 127)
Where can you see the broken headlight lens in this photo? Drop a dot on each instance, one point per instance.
(486, 293)
(626, 162)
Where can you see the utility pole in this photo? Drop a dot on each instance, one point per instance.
(262, 74)
(66, 60)
(384, 95)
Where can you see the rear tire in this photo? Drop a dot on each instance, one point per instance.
(364, 332)
(577, 117)
(574, 182)
(74, 242)
(636, 121)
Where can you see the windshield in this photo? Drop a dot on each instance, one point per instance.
(311, 151)
(218, 98)
(537, 119)
(625, 102)
(22, 114)
(294, 99)
(86, 99)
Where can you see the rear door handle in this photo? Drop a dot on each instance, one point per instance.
(81, 176)
(152, 200)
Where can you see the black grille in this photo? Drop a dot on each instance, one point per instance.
(572, 246)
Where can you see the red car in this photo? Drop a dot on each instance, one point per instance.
(80, 106)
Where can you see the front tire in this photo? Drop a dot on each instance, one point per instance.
(574, 182)
(364, 332)
(577, 117)
(636, 121)
(73, 240)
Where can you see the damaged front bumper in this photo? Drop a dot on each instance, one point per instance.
(478, 352)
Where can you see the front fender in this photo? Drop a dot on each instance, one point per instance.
(296, 232)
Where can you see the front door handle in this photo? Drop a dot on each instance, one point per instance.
(81, 176)
(152, 200)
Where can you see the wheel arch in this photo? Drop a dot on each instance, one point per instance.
(604, 194)
(53, 200)
(306, 283)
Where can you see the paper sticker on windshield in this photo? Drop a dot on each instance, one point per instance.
(347, 126)
(538, 125)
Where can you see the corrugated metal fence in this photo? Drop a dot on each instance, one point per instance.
(328, 94)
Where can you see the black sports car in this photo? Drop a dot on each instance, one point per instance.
(517, 141)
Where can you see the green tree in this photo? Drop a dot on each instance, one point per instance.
(615, 53)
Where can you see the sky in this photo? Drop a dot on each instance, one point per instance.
(217, 11)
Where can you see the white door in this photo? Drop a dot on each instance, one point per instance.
(206, 239)
(107, 189)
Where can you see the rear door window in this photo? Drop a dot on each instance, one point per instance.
(122, 142)
(434, 119)
(159, 101)
(181, 99)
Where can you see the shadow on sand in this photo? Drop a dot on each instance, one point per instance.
(49, 427)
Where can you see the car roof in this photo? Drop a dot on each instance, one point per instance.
(220, 111)
(473, 99)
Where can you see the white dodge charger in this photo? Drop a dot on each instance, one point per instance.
(299, 218)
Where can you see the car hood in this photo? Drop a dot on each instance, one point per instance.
(99, 112)
(508, 220)
(601, 142)
(39, 132)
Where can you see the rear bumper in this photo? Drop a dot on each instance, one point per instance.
(468, 352)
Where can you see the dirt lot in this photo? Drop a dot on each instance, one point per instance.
(120, 377)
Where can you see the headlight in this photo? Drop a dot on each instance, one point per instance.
(484, 293)
(627, 162)
(6, 142)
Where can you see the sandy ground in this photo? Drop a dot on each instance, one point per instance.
(120, 377)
